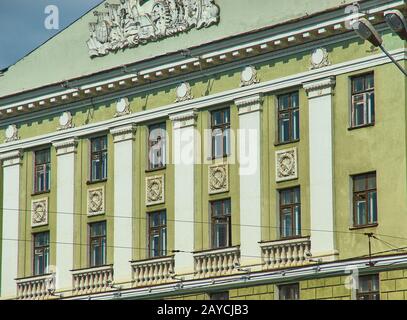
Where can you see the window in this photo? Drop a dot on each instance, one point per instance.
(97, 244)
(156, 146)
(368, 288)
(364, 200)
(289, 292)
(290, 213)
(219, 296)
(42, 170)
(220, 126)
(157, 234)
(41, 253)
(221, 224)
(98, 159)
(288, 118)
(363, 103)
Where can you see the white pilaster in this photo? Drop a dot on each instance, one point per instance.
(11, 196)
(321, 167)
(249, 136)
(66, 151)
(184, 156)
(123, 201)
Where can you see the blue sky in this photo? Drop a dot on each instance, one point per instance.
(22, 26)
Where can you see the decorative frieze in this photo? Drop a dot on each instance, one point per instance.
(122, 107)
(65, 146)
(65, 121)
(39, 212)
(11, 133)
(123, 133)
(286, 165)
(248, 76)
(218, 178)
(319, 59)
(132, 23)
(155, 190)
(96, 201)
(249, 104)
(184, 92)
(185, 119)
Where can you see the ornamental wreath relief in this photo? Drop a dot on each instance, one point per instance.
(286, 165)
(39, 212)
(96, 201)
(218, 178)
(154, 190)
(134, 22)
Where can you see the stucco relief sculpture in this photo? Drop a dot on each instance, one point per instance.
(248, 76)
(184, 92)
(122, 107)
(319, 58)
(11, 133)
(155, 190)
(39, 212)
(286, 165)
(218, 177)
(65, 121)
(96, 201)
(133, 22)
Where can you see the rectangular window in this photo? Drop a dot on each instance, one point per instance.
(368, 288)
(363, 101)
(156, 146)
(157, 234)
(218, 296)
(290, 213)
(289, 292)
(288, 118)
(41, 253)
(97, 244)
(364, 200)
(42, 170)
(221, 224)
(98, 159)
(220, 127)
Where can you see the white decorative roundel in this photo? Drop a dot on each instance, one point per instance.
(182, 90)
(247, 74)
(11, 131)
(318, 56)
(121, 105)
(64, 119)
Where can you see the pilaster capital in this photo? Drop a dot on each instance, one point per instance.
(123, 133)
(320, 87)
(65, 146)
(249, 104)
(11, 158)
(184, 119)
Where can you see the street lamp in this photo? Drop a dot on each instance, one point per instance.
(366, 31)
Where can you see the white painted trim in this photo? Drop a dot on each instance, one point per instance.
(221, 98)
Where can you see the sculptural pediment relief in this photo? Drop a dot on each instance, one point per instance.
(134, 22)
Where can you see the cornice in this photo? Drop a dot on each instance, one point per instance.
(291, 38)
(225, 97)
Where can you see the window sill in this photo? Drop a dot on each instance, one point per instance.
(277, 144)
(374, 225)
(362, 126)
(156, 169)
(40, 193)
(95, 182)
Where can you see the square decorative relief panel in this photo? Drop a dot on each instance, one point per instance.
(218, 178)
(39, 212)
(155, 192)
(286, 165)
(96, 201)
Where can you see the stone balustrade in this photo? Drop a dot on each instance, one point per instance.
(216, 262)
(36, 288)
(92, 280)
(153, 271)
(285, 253)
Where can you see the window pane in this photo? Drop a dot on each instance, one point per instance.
(284, 128)
(361, 212)
(296, 125)
(370, 107)
(372, 198)
(286, 197)
(369, 81)
(297, 220)
(358, 84)
(286, 223)
(220, 236)
(359, 183)
(283, 102)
